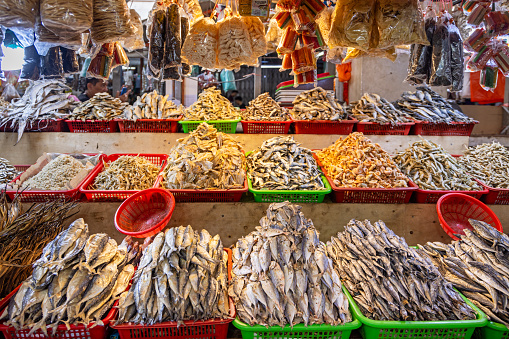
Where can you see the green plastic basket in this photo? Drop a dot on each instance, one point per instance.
(452, 329)
(292, 196)
(492, 331)
(225, 126)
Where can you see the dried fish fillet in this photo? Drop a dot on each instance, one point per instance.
(264, 108)
(317, 104)
(127, 173)
(56, 175)
(211, 105)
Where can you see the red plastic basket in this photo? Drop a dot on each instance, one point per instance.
(145, 213)
(21, 168)
(92, 126)
(495, 196)
(115, 196)
(373, 128)
(149, 125)
(455, 209)
(453, 128)
(343, 127)
(266, 127)
(57, 125)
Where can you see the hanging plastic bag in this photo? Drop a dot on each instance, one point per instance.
(256, 35)
(273, 36)
(18, 13)
(288, 41)
(228, 80)
(488, 78)
(353, 53)
(65, 18)
(420, 56)
(31, 64)
(305, 78)
(496, 23)
(344, 72)
(234, 45)
(101, 65)
(111, 21)
(255, 8)
(478, 61)
(303, 60)
(171, 73)
(476, 40)
(51, 64)
(193, 10)
(501, 58)
(335, 55)
(9, 93)
(440, 74)
(119, 56)
(69, 61)
(135, 41)
(476, 16)
(324, 22)
(457, 61)
(286, 63)
(46, 39)
(173, 44)
(157, 29)
(184, 32)
(200, 46)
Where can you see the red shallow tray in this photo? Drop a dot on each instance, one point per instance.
(266, 127)
(149, 125)
(453, 128)
(92, 126)
(373, 128)
(343, 127)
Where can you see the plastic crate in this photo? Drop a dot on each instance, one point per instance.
(266, 127)
(452, 128)
(452, 329)
(21, 168)
(495, 196)
(115, 196)
(373, 128)
(149, 125)
(431, 196)
(92, 126)
(343, 127)
(292, 196)
(225, 126)
(57, 125)
(492, 330)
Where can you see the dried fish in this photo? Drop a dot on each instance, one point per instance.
(56, 175)
(264, 108)
(432, 168)
(373, 108)
(283, 275)
(211, 105)
(153, 106)
(390, 280)
(206, 159)
(101, 107)
(4, 107)
(317, 104)
(7, 171)
(127, 173)
(355, 161)
(281, 163)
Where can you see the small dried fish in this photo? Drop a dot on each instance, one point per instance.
(282, 164)
(101, 107)
(153, 106)
(55, 176)
(127, 173)
(7, 171)
(264, 108)
(211, 105)
(4, 107)
(317, 104)
(356, 161)
(373, 108)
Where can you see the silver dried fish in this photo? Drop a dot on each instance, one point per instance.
(127, 173)
(373, 108)
(317, 104)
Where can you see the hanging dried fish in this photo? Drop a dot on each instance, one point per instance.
(373, 108)
(317, 104)
(7, 171)
(211, 105)
(101, 107)
(264, 108)
(153, 106)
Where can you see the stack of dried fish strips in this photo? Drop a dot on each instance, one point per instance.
(182, 276)
(153, 106)
(283, 275)
(7, 171)
(211, 105)
(127, 173)
(488, 163)
(281, 163)
(206, 159)
(317, 104)
(356, 161)
(101, 107)
(432, 168)
(56, 175)
(426, 105)
(477, 265)
(75, 281)
(373, 108)
(264, 108)
(23, 235)
(390, 280)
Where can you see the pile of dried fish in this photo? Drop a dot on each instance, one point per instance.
(426, 105)
(182, 276)
(317, 104)
(75, 281)
(206, 159)
(7, 171)
(55, 176)
(264, 108)
(281, 163)
(477, 265)
(43, 100)
(152, 106)
(211, 105)
(4, 106)
(282, 274)
(432, 168)
(356, 161)
(391, 281)
(373, 108)
(101, 107)
(488, 163)
(127, 173)
(23, 235)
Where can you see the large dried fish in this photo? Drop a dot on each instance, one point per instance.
(101, 107)
(7, 171)
(152, 106)
(373, 108)
(211, 105)
(317, 104)
(56, 175)
(264, 108)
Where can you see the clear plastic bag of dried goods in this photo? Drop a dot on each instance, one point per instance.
(324, 22)
(135, 41)
(193, 10)
(440, 73)
(46, 39)
(173, 43)
(69, 61)
(184, 32)
(31, 64)
(273, 36)
(100, 65)
(256, 35)
(157, 28)
(9, 93)
(420, 55)
(501, 58)
(234, 44)
(18, 13)
(489, 77)
(353, 53)
(111, 21)
(200, 47)
(119, 56)
(303, 60)
(172, 73)
(51, 64)
(478, 60)
(335, 55)
(457, 61)
(67, 18)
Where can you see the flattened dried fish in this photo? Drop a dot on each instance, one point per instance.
(264, 108)
(55, 176)
(101, 107)
(211, 105)
(153, 106)
(127, 173)
(317, 104)
(373, 108)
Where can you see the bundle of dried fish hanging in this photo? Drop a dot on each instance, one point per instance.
(206, 159)
(182, 276)
(264, 108)
(426, 105)
(56, 175)
(477, 265)
(283, 164)
(127, 173)
(153, 106)
(43, 100)
(317, 104)
(432, 168)
(75, 281)
(373, 108)
(488, 163)
(23, 235)
(7, 171)
(355, 161)
(390, 280)
(211, 105)
(283, 275)
(101, 107)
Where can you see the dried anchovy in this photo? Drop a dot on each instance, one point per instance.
(432, 168)
(211, 105)
(317, 104)
(101, 107)
(152, 106)
(7, 171)
(373, 108)
(356, 161)
(55, 175)
(127, 173)
(264, 108)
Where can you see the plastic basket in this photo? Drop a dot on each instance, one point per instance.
(225, 126)
(455, 209)
(21, 168)
(92, 126)
(492, 331)
(57, 125)
(149, 125)
(343, 127)
(452, 128)
(266, 127)
(373, 128)
(292, 196)
(115, 196)
(495, 196)
(451, 329)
